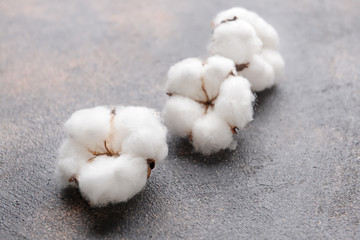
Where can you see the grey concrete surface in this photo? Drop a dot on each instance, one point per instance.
(294, 175)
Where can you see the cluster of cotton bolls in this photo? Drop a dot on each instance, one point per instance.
(110, 152)
(251, 43)
(210, 100)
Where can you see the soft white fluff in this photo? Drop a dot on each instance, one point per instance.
(130, 120)
(211, 134)
(112, 179)
(236, 40)
(260, 72)
(274, 58)
(107, 151)
(184, 79)
(246, 38)
(180, 113)
(89, 127)
(210, 123)
(215, 70)
(234, 104)
(147, 143)
(72, 156)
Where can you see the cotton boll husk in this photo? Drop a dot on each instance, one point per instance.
(260, 73)
(264, 31)
(211, 134)
(72, 156)
(112, 179)
(236, 40)
(89, 127)
(234, 104)
(215, 71)
(131, 119)
(184, 78)
(180, 113)
(275, 60)
(147, 143)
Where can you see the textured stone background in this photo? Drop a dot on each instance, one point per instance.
(295, 173)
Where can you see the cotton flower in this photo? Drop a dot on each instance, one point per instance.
(208, 103)
(251, 43)
(109, 152)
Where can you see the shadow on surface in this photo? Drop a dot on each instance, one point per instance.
(262, 98)
(183, 150)
(102, 221)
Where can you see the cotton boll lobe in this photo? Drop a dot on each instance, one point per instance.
(184, 78)
(260, 72)
(211, 134)
(215, 71)
(112, 179)
(147, 145)
(180, 113)
(264, 31)
(267, 34)
(129, 120)
(236, 40)
(89, 127)
(264, 69)
(234, 104)
(274, 58)
(72, 156)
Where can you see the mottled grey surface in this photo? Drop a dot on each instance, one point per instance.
(294, 175)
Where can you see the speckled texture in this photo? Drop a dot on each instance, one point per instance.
(295, 173)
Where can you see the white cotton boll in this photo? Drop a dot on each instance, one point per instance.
(265, 65)
(180, 113)
(234, 104)
(112, 179)
(215, 71)
(211, 134)
(89, 127)
(72, 156)
(111, 167)
(260, 73)
(275, 60)
(147, 143)
(236, 40)
(184, 78)
(264, 31)
(210, 123)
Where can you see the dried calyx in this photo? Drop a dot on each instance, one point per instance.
(229, 20)
(240, 67)
(151, 166)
